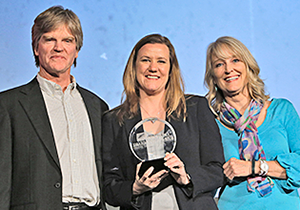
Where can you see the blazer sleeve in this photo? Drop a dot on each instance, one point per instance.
(117, 190)
(209, 175)
(5, 157)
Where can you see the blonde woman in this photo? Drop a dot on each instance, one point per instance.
(261, 136)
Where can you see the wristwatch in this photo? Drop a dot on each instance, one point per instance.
(264, 167)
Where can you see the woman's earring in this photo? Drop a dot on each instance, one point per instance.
(215, 84)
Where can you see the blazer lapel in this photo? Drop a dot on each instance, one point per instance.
(130, 123)
(33, 104)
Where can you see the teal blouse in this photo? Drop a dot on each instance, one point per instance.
(279, 135)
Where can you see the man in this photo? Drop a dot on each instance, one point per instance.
(50, 128)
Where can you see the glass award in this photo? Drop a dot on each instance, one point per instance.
(149, 141)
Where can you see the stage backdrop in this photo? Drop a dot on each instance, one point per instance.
(270, 29)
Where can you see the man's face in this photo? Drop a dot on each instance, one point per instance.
(56, 52)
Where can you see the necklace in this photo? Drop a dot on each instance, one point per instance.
(149, 114)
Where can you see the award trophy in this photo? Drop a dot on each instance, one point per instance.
(149, 141)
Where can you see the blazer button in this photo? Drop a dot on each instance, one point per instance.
(57, 185)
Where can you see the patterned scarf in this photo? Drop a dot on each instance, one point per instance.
(249, 144)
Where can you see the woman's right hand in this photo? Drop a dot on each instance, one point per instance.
(237, 168)
(147, 182)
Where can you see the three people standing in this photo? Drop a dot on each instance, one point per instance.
(55, 149)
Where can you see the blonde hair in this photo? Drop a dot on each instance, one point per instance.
(49, 20)
(174, 97)
(255, 86)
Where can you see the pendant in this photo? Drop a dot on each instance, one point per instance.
(153, 120)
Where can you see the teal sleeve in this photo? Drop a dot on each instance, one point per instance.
(291, 161)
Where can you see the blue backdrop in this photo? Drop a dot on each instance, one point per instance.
(270, 29)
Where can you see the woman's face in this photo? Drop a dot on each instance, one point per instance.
(152, 68)
(230, 74)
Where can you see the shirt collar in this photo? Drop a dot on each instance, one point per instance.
(52, 88)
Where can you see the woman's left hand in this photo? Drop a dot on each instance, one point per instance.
(177, 168)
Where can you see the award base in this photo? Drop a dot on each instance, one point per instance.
(158, 165)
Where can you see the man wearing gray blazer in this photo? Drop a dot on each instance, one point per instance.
(50, 128)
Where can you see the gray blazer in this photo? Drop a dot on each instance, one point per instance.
(30, 173)
(198, 146)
